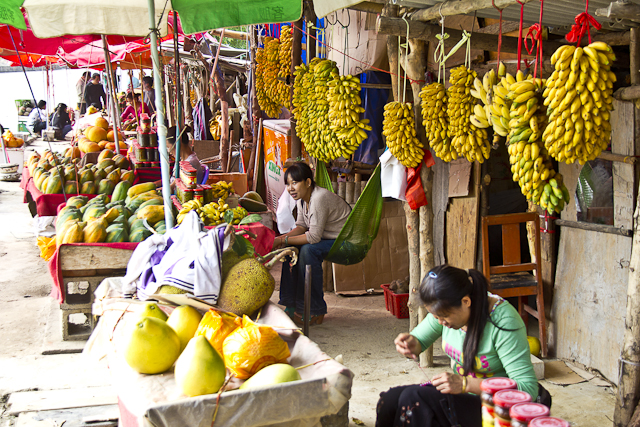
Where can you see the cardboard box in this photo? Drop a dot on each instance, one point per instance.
(387, 260)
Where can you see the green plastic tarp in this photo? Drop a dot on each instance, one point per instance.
(10, 14)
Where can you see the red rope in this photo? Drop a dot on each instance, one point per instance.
(493, 3)
(583, 24)
(350, 57)
(520, 33)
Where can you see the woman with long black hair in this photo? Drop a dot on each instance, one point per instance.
(482, 334)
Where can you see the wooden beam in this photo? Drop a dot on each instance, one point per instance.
(507, 27)
(238, 35)
(601, 228)
(634, 56)
(617, 38)
(422, 31)
(620, 10)
(612, 157)
(629, 93)
(368, 7)
(450, 8)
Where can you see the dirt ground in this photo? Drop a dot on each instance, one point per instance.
(358, 328)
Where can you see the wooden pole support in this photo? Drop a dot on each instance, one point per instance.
(601, 228)
(634, 55)
(451, 8)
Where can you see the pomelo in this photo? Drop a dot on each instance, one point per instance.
(153, 346)
(151, 309)
(534, 346)
(200, 368)
(184, 320)
(277, 373)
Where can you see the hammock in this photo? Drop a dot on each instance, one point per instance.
(360, 230)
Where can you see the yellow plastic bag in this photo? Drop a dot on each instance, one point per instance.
(47, 247)
(216, 326)
(252, 347)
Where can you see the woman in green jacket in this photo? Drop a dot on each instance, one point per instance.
(482, 334)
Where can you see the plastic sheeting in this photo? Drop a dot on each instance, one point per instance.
(155, 400)
(373, 101)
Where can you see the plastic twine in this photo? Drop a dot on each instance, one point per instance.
(438, 53)
(583, 24)
(493, 3)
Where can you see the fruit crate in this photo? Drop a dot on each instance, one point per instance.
(396, 303)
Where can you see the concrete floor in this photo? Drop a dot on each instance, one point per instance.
(358, 328)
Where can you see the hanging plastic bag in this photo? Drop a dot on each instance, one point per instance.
(415, 192)
(393, 176)
(215, 326)
(284, 214)
(47, 247)
(252, 347)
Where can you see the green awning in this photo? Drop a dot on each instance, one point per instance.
(204, 15)
(10, 14)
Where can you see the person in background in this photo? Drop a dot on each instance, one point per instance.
(131, 113)
(60, 121)
(321, 216)
(125, 82)
(149, 93)
(37, 119)
(94, 94)
(483, 335)
(81, 86)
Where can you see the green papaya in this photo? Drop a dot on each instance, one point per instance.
(68, 214)
(87, 176)
(159, 224)
(71, 187)
(54, 184)
(135, 224)
(70, 173)
(93, 212)
(109, 169)
(113, 204)
(127, 176)
(120, 191)
(106, 186)
(88, 187)
(135, 203)
(116, 234)
(121, 220)
(100, 199)
(114, 176)
(139, 234)
(99, 175)
(156, 201)
(104, 164)
(161, 230)
(131, 220)
(77, 201)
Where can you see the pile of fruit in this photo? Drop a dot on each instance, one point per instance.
(133, 214)
(327, 110)
(214, 213)
(579, 100)
(399, 129)
(99, 137)
(11, 141)
(52, 173)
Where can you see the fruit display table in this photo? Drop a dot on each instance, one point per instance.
(146, 400)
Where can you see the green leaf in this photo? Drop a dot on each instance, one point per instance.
(228, 216)
(250, 218)
(243, 246)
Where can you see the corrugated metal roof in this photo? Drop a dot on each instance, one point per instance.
(556, 13)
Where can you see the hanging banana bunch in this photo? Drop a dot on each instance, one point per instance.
(481, 117)
(399, 129)
(435, 121)
(530, 163)
(578, 97)
(284, 66)
(266, 77)
(344, 114)
(323, 143)
(301, 91)
(500, 106)
(467, 139)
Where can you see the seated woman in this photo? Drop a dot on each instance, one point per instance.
(133, 110)
(321, 216)
(482, 334)
(61, 122)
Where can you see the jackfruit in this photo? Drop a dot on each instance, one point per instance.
(247, 287)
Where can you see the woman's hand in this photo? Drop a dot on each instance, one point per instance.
(278, 242)
(448, 383)
(408, 345)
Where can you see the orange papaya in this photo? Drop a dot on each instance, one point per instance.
(95, 231)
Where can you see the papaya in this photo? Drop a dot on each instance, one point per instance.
(136, 223)
(152, 213)
(121, 161)
(116, 234)
(70, 173)
(99, 199)
(88, 187)
(156, 201)
(41, 179)
(105, 154)
(121, 220)
(139, 234)
(115, 203)
(68, 215)
(87, 176)
(70, 232)
(111, 215)
(43, 183)
(95, 231)
(106, 186)
(135, 203)
(99, 175)
(77, 201)
(95, 211)
(54, 184)
(109, 169)
(160, 227)
(141, 188)
(127, 176)
(114, 176)
(120, 191)
(71, 187)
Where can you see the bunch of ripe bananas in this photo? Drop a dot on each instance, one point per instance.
(192, 98)
(578, 97)
(222, 189)
(435, 120)
(467, 139)
(214, 126)
(267, 76)
(188, 207)
(399, 129)
(483, 91)
(344, 114)
(530, 163)
(302, 87)
(212, 213)
(284, 66)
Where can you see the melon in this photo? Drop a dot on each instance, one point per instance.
(103, 123)
(97, 134)
(110, 136)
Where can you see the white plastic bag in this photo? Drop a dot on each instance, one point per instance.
(284, 214)
(393, 177)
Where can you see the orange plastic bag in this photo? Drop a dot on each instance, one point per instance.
(47, 247)
(252, 347)
(216, 326)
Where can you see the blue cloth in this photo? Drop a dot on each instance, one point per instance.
(292, 279)
(373, 101)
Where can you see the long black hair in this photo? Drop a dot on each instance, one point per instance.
(299, 172)
(443, 289)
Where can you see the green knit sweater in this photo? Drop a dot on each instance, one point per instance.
(500, 353)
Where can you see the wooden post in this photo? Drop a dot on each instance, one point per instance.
(255, 111)
(310, 16)
(634, 53)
